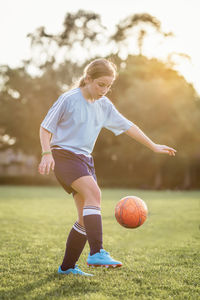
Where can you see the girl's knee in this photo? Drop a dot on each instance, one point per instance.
(93, 197)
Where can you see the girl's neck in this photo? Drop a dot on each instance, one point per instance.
(86, 94)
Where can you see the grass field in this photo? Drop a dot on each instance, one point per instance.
(161, 259)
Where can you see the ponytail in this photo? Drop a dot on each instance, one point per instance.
(81, 81)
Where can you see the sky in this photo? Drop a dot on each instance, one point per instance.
(20, 17)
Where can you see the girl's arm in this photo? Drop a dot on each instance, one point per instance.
(47, 161)
(136, 133)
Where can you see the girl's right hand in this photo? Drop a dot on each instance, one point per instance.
(47, 163)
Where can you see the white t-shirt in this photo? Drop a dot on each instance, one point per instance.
(76, 123)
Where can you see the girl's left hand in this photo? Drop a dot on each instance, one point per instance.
(164, 149)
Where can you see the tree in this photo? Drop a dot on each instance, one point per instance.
(138, 26)
(25, 100)
(166, 107)
(82, 31)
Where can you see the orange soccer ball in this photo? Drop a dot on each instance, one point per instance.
(131, 212)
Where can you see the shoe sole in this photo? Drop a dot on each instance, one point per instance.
(106, 266)
(75, 274)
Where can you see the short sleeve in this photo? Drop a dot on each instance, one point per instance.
(55, 114)
(116, 122)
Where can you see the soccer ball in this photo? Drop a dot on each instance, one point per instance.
(131, 212)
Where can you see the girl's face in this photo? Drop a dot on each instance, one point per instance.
(100, 86)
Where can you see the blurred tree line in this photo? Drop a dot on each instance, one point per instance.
(147, 91)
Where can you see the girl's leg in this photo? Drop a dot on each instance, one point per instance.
(77, 237)
(87, 187)
(78, 199)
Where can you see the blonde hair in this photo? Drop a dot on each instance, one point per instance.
(97, 68)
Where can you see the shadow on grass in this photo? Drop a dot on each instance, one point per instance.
(56, 285)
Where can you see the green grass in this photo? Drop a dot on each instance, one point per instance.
(161, 258)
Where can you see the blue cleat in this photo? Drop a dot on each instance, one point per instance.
(75, 271)
(103, 259)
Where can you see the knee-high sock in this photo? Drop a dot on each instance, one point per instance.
(74, 246)
(93, 228)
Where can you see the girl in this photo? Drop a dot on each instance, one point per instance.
(68, 134)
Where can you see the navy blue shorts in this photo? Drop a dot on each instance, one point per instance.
(70, 166)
